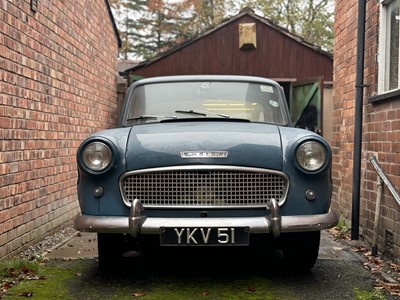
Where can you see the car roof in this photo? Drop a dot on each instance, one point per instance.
(177, 78)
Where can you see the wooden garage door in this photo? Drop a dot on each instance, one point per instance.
(305, 104)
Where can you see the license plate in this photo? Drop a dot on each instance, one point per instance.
(204, 236)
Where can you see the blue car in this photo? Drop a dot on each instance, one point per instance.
(201, 161)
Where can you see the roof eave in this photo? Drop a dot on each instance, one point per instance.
(116, 32)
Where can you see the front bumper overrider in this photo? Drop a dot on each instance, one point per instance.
(138, 223)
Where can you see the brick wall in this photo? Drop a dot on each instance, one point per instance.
(57, 85)
(381, 129)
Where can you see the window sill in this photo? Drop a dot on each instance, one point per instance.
(392, 95)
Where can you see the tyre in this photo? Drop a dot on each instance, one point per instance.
(111, 248)
(300, 250)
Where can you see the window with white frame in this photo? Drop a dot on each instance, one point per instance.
(389, 42)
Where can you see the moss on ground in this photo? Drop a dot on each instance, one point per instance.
(80, 279)
(51, 282)
(369, 295)
(163, 279)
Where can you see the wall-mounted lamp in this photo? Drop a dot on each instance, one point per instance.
(34, 5)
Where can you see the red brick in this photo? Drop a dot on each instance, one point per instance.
(381, 122)
(53, 85)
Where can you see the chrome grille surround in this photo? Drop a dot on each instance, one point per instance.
(209, 186)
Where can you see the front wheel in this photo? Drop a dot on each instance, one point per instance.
(300, 249)
(111, 248)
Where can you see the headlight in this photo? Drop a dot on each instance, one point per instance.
(97, 156)
(311, 156)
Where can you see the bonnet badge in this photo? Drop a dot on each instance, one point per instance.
(204, 154)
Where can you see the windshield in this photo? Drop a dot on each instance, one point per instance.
(256, 102)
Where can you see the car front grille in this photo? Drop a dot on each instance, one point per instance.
(197, 186)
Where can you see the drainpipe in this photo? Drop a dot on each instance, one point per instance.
(355, 213)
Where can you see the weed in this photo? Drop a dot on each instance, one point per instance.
(16, 270)
(341, 230)
(18, 267)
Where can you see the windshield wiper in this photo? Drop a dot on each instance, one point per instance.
(146, 117)
(201, 113)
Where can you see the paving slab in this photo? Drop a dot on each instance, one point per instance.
(79, 245)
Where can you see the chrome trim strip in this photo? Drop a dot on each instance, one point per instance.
(205, 168)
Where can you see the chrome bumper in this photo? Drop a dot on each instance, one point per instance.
(138, 223)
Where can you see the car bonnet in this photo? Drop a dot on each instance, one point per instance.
(204, 143)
